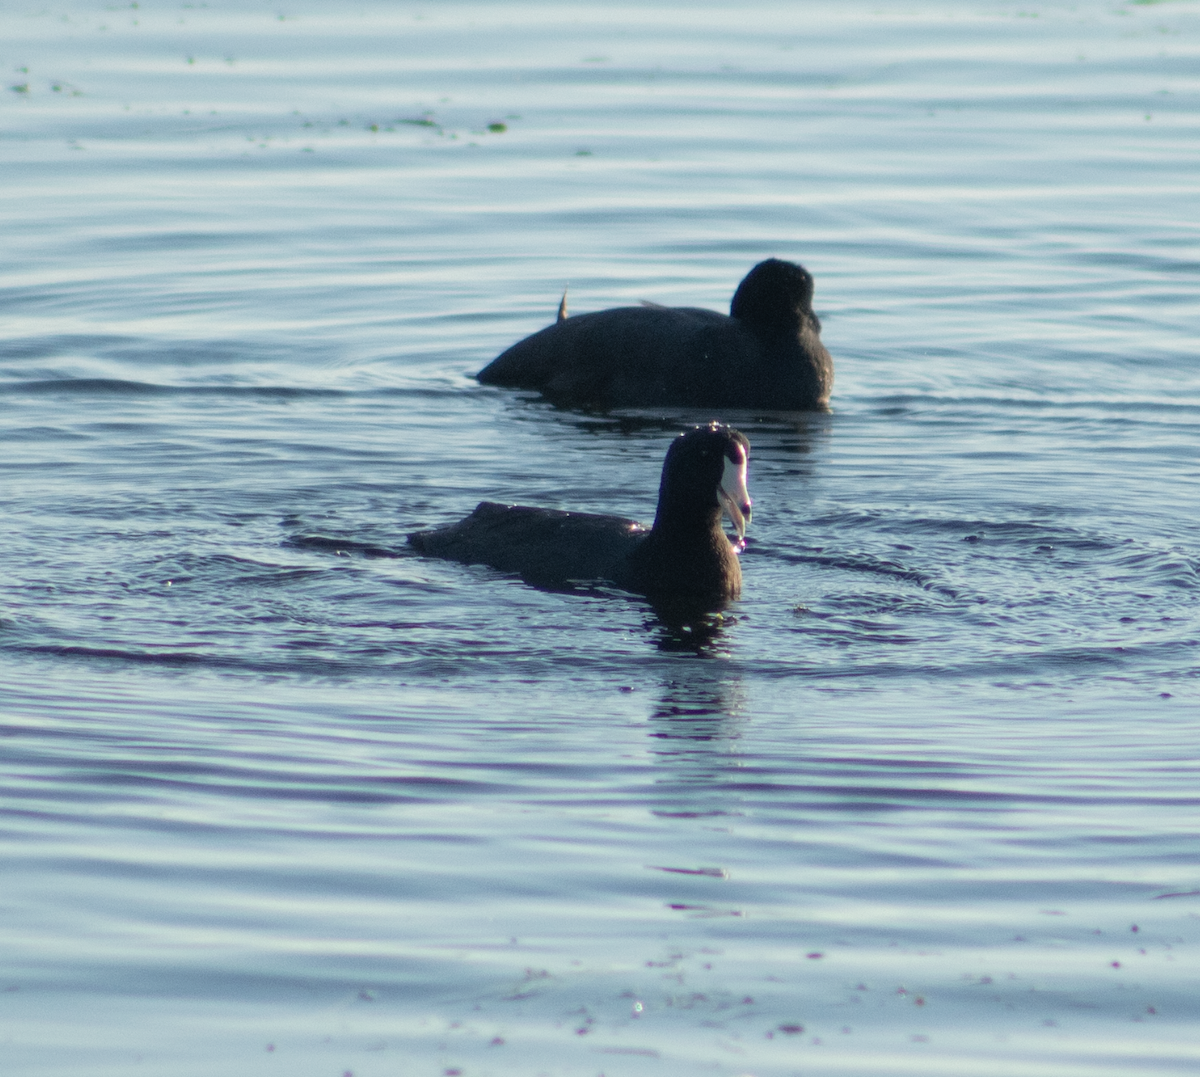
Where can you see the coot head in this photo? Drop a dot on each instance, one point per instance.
(775, 298)
(704, 475)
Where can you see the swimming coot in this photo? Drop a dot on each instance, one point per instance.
(766, 354)
(684, 556)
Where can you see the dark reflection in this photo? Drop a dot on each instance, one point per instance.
(342, 547)
(695, 740)
(695, 729)
(699, 709)
(688, 628)
(793, 432)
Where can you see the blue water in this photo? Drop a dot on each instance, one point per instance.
(277, 796)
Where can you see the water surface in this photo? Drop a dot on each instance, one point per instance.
(279, 796)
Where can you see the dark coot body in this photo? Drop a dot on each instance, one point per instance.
(766, 354)
(685, 556)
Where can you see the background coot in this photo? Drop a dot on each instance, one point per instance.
(766, 354)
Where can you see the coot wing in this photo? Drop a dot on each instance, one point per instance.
(631, 357)
(547, 547)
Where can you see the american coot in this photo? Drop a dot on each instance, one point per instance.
(766, 354)
(685, 556)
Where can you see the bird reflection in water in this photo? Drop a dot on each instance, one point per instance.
(696, 729)
(688, 628)
(698, 708)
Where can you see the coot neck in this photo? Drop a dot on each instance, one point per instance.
(687, 521)
(778, 333)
